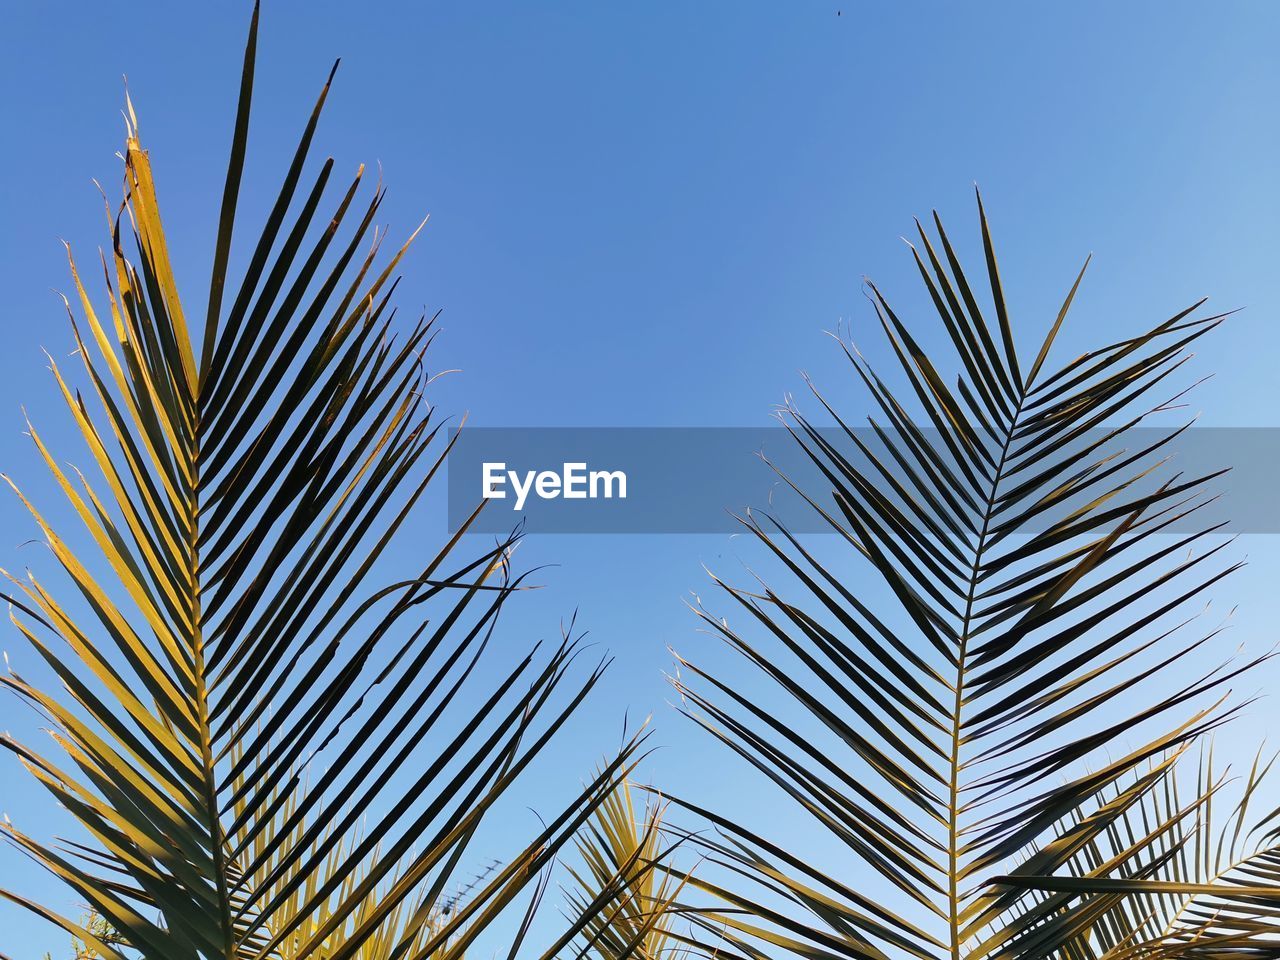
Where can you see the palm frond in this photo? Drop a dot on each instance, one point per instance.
(1188, 871)
(623, 896)
(1035, 566)
(231, 632)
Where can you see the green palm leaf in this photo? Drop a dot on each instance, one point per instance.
(228, 636)
(1011, 520)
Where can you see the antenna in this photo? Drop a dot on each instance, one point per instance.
(476, 879)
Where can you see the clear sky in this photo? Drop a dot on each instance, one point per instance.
(648, 213)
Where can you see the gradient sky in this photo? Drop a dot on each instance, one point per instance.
(648, 213)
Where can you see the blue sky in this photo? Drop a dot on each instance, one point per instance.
(647, 214)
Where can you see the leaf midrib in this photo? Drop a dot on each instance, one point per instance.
(957, 725)
(217, 840)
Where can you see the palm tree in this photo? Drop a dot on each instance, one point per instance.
(233, 636)
(1003, 590)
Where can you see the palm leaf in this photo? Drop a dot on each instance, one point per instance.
(1032, 557)
(1195, 868)
(227, 636)
(623, 895)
